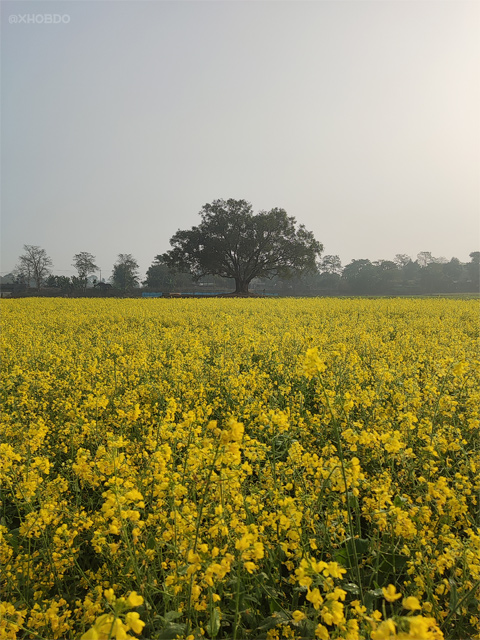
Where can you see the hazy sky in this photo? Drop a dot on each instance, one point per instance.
(360, 118)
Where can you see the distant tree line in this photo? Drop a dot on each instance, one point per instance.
(33, 272)
(402, 276)
(268, 252)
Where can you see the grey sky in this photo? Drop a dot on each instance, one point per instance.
(360, 118)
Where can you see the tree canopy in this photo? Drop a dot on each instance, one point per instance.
(34, 264)
(84, 263)
(125, 272)
(232, 242)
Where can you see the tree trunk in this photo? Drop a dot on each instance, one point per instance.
(241, 286)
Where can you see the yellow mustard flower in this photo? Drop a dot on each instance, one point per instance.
(390, 593)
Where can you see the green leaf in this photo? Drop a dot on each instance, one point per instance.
(305, 627)
(213, 625)
(13, 538)
(453, 595)
(172, 615)
(273, 605)
(151, 542)
(351, 587)
(171, 631)
(350, 548)
(249, 619)
(391, 563)
(352, 501)
(371, 596)
(398, 501)
(341, 556)
(272, 621)
(361, 545)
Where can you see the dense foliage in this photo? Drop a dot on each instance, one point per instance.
(232, 242)
(240, 469)
(125, 273)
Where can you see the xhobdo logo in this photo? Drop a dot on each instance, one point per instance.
(39, 18)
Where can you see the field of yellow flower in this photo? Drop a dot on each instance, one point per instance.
(240, 469)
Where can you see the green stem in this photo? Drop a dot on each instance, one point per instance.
(459, 603)
(237, 603)
(344, 476)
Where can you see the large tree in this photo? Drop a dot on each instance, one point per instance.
(125, 272)
(84, 263)
(232, 242)
(33, 264)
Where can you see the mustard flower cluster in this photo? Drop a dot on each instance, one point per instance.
(239, 468)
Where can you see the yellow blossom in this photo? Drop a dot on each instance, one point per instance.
(322, 632)
(312, 363)
(315, 598)
(390, 594)
(298, 616)
(132, 620)
(384, 631)
(250, 566)
(411, 603)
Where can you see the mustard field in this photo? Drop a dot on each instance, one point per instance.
(240, 468)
